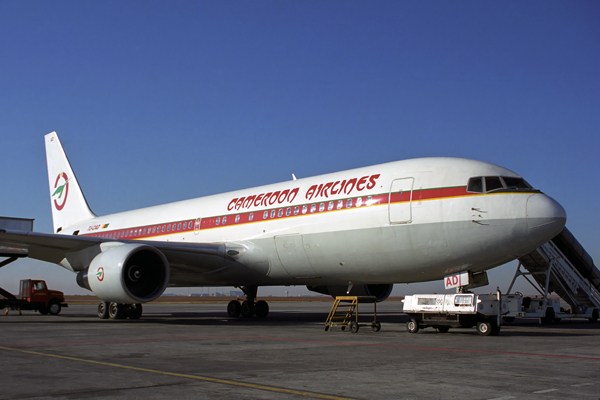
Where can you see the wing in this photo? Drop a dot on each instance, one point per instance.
(190, 263)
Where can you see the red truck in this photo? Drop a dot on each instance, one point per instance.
(34, 295)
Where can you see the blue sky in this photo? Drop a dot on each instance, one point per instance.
(162, 101)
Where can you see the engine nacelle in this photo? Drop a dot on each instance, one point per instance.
(128, 273)
(380, 292)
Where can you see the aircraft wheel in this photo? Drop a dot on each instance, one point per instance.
(412, 326)
(261, 309)
(54, 307)
(443, 329)
(234, 308)
(376, 326)
(103, 310)
(247, 309)
(135, 311)
(484, 328)
(116, 311)
(353, 327)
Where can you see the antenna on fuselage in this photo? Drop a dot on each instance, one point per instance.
(294, 177)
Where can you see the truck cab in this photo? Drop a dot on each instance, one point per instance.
(40, 298)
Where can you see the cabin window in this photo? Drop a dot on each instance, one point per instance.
(168, 228)
(349, 203)
(218, 221)
(288, 212)
(313, 208)
(280, 212)
(251, 217)
(321, 207)
(265, 215)
(237, 218)
(330, 206)
(359, 202)
(340, 204)
(224, 220)
(304, 209)
(179, 226)
(296, 210)
(272, 213)
(154, 230)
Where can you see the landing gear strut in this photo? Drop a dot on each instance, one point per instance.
(248, 308)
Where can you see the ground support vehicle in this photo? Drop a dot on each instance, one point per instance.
(461, 310)
(344, 313)
(34, 295)
(560, 266)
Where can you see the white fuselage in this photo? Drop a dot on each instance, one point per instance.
(404, 221)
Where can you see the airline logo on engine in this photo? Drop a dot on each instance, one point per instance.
(100, 274)
(287, 196)
(60, 190)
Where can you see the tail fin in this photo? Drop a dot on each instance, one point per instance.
(68, 202)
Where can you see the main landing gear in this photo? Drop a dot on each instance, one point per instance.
(119, 311)
(248, 308)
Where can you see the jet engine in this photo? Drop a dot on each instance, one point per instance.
(380, 292)
(128, 273)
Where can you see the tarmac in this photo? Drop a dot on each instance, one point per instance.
(195, 351)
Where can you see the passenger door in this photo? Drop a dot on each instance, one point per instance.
(400, 201)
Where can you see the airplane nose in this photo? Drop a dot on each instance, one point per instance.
(545, 217)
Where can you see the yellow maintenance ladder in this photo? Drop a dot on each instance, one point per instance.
(345, 307)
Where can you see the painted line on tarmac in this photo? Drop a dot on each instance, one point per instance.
(195, 377)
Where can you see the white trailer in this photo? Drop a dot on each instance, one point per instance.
(461, 310)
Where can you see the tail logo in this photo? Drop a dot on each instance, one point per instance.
(60, 191)
(100, 274)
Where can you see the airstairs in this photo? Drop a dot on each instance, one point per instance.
(563, 266)
(345, 313)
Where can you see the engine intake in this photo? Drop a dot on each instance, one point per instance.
(128, 273)
(380, 292)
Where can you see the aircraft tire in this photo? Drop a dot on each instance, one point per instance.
(234, 309)
(103, 310)
(247, 309)
(261, 309)
(135, 311)
(116, 311)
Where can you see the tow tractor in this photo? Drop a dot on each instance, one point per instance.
(34, 295)
(460, 310)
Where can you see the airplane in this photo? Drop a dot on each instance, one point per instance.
(355, 232)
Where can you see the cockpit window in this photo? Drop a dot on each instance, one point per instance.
(487, 184)
(492, 183)
(475, 185)
(516, 183)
